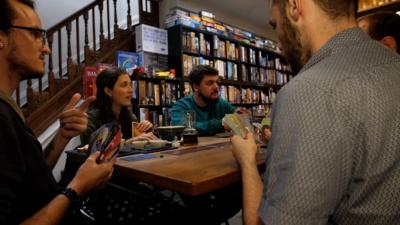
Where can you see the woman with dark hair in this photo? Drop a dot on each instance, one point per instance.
(113, 99)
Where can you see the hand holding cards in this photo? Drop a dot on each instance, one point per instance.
(240, 124)
(107, 140)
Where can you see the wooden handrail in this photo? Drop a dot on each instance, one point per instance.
(44, 105)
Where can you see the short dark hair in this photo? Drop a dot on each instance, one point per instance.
(382, 24)
(7, 13)
(198, 72)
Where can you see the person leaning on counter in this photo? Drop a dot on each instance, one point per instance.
(209, 108)
(29, 193)
(113, 99)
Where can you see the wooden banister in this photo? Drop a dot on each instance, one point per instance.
(47, 97)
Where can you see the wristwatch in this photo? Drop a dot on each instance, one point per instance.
(71, 195)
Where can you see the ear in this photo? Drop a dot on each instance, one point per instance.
(389, 42)
(108, 91)
(195, 87)
(294, 9)
(3, 37)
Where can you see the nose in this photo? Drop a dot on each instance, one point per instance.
(216, 85)
(45, 49)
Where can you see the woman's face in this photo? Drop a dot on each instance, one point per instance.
(122, 91)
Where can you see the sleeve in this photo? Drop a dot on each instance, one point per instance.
(134, 118)
(230, 108)
(92, 126)
(309, 160)
(210, 127)
(178, 113)
(11, 170)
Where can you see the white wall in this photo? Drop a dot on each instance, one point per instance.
(53, 11)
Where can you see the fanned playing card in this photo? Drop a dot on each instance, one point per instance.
(234, 122)
(240, 124)
(107, 140)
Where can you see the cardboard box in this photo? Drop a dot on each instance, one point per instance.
(151, 39)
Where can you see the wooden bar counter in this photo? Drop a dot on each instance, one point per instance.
(191, 170)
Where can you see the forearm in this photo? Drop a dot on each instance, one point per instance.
(51, 214)
(252, 193)
(210, 127)
(54, 149)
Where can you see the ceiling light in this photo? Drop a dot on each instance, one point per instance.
(398, 13)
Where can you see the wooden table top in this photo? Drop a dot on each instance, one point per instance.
(192, 170)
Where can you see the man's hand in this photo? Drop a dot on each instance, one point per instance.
(242, 110)
(244, 150)
(92, 174)
(73, 120)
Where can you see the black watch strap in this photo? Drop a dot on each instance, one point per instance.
(71, 195)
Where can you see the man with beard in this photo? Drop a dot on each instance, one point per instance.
(334, 153)
(209, 108)
(383, 27)
(29, 193)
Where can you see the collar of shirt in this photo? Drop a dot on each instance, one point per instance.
(343, 38)
(10, 101)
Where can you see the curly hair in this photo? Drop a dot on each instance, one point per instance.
(198, 72)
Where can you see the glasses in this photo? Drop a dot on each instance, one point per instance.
(38, 33)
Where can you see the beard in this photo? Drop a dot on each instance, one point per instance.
(206, 99)
(294, 52)
(19, 66)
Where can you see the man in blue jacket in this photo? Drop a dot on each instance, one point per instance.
(209, 108)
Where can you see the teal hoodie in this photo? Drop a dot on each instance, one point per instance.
(208, 119)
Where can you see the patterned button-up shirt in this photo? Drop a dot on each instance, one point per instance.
(335, 150)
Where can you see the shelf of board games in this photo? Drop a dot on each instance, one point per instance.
(248, 74)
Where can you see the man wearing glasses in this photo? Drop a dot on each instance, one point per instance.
(29, 193)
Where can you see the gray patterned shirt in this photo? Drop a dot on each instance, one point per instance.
(335, 151)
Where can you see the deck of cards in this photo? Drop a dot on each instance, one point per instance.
(107, 140)
(240, 124)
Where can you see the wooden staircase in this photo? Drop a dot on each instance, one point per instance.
(45, 102)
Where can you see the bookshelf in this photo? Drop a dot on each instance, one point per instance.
(248, 74)
(154, 96)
